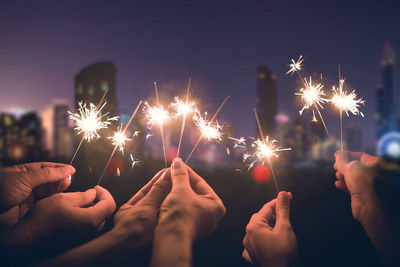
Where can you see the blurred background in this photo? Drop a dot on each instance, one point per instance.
(55, 54)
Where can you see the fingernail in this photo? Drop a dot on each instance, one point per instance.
(71, 169)
(177, 163)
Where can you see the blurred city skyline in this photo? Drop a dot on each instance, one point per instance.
(219, 44)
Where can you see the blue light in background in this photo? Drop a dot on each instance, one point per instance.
(389, 145)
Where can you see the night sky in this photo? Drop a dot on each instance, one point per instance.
(218, 43)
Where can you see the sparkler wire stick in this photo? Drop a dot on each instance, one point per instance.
(263, 140)
(116, 146)
(83, 137)
(211, 121)
(341, 118)
(161, 127)
(184, 118)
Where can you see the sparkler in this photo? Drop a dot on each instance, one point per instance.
(119, 139)
(119, 144)
(346, 102)
(207, 129)
(265, 149)
(89, 121)
(157, 116)
(311, 94)
(183, 109)
(238, 142)
(134, 161)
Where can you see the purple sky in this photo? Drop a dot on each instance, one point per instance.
(218, 43)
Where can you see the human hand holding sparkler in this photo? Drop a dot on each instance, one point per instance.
(270, 239)
(22, 185)
(192, 210)
(59, 222)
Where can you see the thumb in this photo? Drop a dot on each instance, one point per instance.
(283, 207)
(179, 175)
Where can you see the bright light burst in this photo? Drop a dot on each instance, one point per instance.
(209, 130)
(345, 101)
(134, 161)
(119, 139)
(295, 66)
(89, 120)
(311, 95)
(183, 108)
(238, 142)
(155, 115)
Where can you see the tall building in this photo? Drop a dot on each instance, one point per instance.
(267, 99)
(318, 133)
(353, 138)
(282, 131)
(30, 135)
(57, 130)
(300, 145)
(386, 94)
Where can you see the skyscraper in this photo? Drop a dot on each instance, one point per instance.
(267, 99)
(56, 130)
(386, 95)
(300, 138)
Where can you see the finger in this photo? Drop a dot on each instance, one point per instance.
(342, 159)
(198, 184)
(341, 185)
(267, 210)
(145, 189)
(179, 176)
(36, 177)
(158, 191)
(104, 207)
(81, 199)
(49, 189)
(38, 165)
(282, 210)
(246, 256)
(339, 176)
(369, 160)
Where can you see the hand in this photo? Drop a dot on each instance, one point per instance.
(21, 185)
(138, 217)
(270, 240)
(74, 214)
(356, 172)
(57, 223)
(192, 203)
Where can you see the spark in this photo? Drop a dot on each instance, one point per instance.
(134, 161)
(148, 136)
(118, 172)
(119, 139)
(345, 101)
(311, 95)
(295, 66)
(238, 142)
(228, 151)
(89, 120)
(183, 108)
(267, 149)
(136, 134)
(314, 118)
(155, 115)
(208, 129)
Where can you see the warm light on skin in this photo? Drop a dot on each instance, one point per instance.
(346, 102)
(155, 115)
(311, 95)
(208, 130)
(89, 120)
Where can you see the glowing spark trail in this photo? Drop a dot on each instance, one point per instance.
(346, 102)
(134, 161)
(209, 131)
(238, 142)
(183, 109)
(265, 149)
(295, 66)
(119, 139)
(311, 94)
(157, 116)
(81, 116)
(116, 145)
